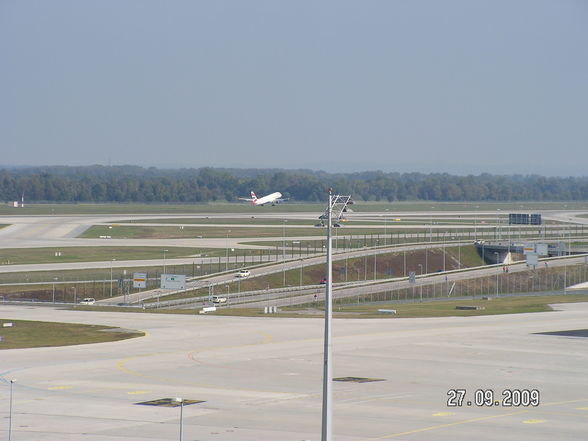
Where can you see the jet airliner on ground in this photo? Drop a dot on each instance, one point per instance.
(274, 198)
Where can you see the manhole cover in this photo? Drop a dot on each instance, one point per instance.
(169, 402)
(573, 333)
(358, 379)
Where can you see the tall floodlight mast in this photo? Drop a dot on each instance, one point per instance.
(327, 368)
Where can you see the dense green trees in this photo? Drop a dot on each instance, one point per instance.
(137, 184)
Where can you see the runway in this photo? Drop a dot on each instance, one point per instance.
(260, 378)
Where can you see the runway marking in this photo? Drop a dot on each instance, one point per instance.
(268, 339)
(442, 426)
(444, 413)
(473, 420)
(121, 365)
(533, 421)
(60, 387)
(581, 408)
(137, 392)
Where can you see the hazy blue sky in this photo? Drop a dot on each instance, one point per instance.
(459, 86)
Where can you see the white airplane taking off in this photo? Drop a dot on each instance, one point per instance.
(274, 198)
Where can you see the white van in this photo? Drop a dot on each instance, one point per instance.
(88, 301)
(219, 299)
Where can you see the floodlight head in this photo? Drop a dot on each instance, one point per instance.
(179, 400)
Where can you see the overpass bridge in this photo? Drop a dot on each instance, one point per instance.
(500, 252)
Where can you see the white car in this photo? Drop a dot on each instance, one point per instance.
(88, 301)
(219, 299)
(243, 274)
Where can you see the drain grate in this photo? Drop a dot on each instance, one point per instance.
(169, 402)
(358, 379)
(573, 333)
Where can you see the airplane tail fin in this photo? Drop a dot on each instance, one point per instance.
(253, 196)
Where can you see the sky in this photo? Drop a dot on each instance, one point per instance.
(455, 86)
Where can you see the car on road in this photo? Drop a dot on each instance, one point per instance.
(243, 274)
(88, 301)
(219, 299)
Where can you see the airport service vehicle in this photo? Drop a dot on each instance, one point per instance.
(274, 198)
(243, 274)
(88, 301)
(219, 299)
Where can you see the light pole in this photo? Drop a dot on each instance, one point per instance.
(54, 280)
(284, 250)
(346, 266)
(227, 254)
(164, 270)
(301, 273)
(496, 254)
(10, 411)
(284, 239)
(111, 262)
(421, 283)
(375, 262)
(181, 402)
(444, 234)
(431, 226)
(385, 226)
(326, 426)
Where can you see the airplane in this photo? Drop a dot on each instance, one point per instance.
(274, 198)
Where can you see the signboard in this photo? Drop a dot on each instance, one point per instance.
(538, 248)
(524, 219)
(139, 280)
(412, 277)
(541, 249)
(173, 281)
(532, 259)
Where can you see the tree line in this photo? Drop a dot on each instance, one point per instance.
(152, 185)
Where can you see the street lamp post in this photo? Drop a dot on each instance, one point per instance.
(497, 272)
(386, 227)
(181, 402)
(301, 273)
(431, 225)
(444, 234)
(227, 253)
(10, 411)
(326, 426)
(284, 250)
(375, 261)
(54, 280)
(111, 262)
(164, 271)
(421, 283)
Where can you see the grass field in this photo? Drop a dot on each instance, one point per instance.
(29, 334)
(359, 206)
(154, 232)
(356, 269)
(207, 220)
(510, 305)
(15, 256)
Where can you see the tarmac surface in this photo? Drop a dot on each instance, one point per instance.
(260, 378)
